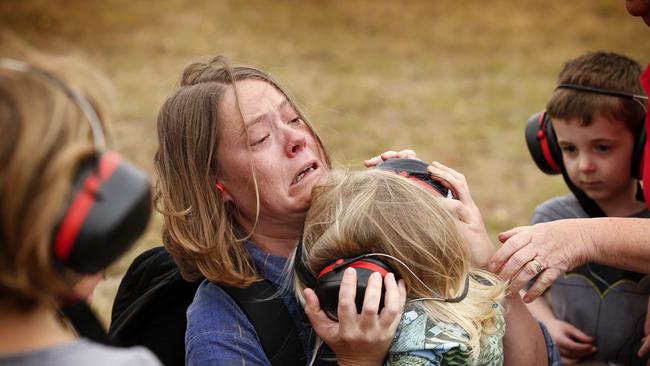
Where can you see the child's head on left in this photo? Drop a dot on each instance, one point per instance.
(596, 132)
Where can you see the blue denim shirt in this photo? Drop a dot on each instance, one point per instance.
(218, 331)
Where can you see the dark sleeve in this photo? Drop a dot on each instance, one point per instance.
(219, 333)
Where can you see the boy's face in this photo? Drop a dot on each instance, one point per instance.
(598, 156)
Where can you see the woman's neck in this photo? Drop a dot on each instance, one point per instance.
(31, 331)
(274, 236)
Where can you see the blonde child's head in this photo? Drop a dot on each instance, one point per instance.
(354, 213)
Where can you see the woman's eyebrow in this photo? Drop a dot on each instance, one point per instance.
(253, 122)
(281, 106)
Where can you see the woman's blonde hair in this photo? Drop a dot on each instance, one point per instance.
(354, 213)
(199, 229)
(44, 139)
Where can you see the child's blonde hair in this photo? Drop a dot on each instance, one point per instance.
(353, 213)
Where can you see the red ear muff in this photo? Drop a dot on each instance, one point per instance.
(329, 280)
(109, 210)
(542, 143)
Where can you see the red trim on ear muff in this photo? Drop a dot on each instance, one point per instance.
(358, 264)
(81, 205)
(543, 139)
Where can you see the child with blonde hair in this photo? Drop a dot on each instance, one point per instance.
(455, 310)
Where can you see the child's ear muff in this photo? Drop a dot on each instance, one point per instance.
(543, 147)
(108, 210)
(110, 202)
(542, 143)
(329, 281)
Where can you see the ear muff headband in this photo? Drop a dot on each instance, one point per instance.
(415, 170)
(111, 201)
(614, 93)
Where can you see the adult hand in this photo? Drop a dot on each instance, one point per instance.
(389, 155)
(359, 339)
(572, 342)
(547, 249)
(470, 223)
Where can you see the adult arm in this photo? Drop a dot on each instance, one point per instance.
(562, 245)
(523, 343)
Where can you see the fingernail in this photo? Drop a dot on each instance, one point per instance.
(349, 271)
(392, 276)
(526, 299)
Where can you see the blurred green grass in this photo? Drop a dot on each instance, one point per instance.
(455, 81)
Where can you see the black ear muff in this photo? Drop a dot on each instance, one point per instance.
(542, 143)
(109, 210)
(415, 170)
(329, 281)
(110, 203)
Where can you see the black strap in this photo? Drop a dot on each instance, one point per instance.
(270, 317)
(590, 206)
(85, 322)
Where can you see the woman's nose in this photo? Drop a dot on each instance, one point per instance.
(296, 142)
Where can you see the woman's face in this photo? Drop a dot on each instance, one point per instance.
(279, 145)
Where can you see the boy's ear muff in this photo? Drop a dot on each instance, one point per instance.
(110, 202)
(542, 143)
(328, 282)
(543, 147)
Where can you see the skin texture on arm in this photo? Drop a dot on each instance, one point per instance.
(565, 244)
(523, 343)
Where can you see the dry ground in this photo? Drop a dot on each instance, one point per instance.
(456, 81)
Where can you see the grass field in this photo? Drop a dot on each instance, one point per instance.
(455, 81)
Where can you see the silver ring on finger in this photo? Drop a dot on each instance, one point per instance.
(538, 266)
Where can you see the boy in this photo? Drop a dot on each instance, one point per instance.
(597, 312)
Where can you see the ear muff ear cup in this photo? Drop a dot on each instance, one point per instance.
(109, 209)
(543, 147)
(328, 282)
(542, 143)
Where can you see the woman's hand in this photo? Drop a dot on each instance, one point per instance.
(573, 343)
(359, 339)
(470, 222)
(547, 249)
(372, 162)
